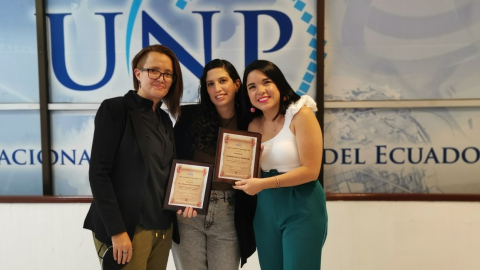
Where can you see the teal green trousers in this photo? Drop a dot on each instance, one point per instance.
(290, 226)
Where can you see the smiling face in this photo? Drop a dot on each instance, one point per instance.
(151, 89)
(221, 88)
(263, 92)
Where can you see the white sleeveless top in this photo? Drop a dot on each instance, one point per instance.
(281, 152)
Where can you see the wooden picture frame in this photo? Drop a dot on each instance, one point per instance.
(189, 185)
(238, 153)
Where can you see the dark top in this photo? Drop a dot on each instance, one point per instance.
(245, 204)
(160, 155)
(118, 173)
(200, 156)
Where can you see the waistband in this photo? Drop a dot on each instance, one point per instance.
(222, 194)
(274, 172)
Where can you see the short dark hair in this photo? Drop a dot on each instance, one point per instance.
(206, 124)
(276, 75)
(174, 95)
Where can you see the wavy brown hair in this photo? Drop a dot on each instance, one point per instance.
(206, 124)
(174, 95)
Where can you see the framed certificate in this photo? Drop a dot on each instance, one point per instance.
(238, 153)
(189, 186)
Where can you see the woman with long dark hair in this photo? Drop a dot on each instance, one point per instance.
(223, 237)
(291, 218)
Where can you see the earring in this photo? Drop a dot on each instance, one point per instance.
(284, 98)
(252, 110)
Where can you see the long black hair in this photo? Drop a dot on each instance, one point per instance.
(206, 124)
(276, 75)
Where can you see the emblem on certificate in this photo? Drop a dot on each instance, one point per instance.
(238, 153)
(189, 186)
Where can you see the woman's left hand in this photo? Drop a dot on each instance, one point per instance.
(250, 186)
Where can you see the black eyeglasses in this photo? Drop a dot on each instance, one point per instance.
(155, 74)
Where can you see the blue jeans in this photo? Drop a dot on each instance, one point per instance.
(209, 241)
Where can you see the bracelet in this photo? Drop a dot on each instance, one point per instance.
(278, 182)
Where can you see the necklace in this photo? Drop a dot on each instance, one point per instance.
(229, 121)
(265, 120)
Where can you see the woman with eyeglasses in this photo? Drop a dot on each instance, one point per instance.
(132, 152)
(223, 238)
(291, 217)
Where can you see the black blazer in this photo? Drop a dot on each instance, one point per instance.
(245, 204)
(118, 174)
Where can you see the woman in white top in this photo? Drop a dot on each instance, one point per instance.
(291, 219)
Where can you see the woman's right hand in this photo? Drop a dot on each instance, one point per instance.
(122, 248)
(188, 212)
(253, 186)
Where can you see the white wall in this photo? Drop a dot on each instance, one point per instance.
(362, 236)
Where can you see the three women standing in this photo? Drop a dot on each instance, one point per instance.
(132, 152)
